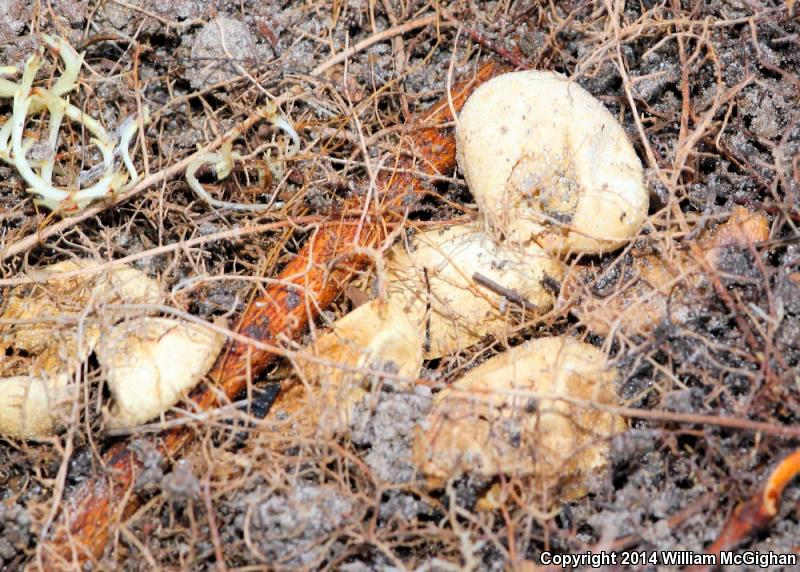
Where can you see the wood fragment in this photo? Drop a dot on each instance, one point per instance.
(309, 283)
(511, 295)
(755, 514)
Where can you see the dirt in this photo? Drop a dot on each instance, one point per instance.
(383, 428)
(212, 43)
(264, 493)
(292, 528)
(15, 525)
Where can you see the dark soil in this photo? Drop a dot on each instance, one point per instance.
(357, 504)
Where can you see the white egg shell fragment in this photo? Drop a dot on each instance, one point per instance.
(27, 403)
(36, 392)
(547, 162)
(128, 285)
(505, 416)
(435, 282)
(47, 330)
(376, 336)
(151, 363)
(56, 306)
(35, 315)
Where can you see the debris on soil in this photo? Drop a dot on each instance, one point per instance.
(294, 527)
(644, 291)
(698, 314)
(15, 535)
(181, 484)
(220, 48)
(385, 430)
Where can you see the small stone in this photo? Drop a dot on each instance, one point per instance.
(211, 62)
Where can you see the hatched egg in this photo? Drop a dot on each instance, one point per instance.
(151, 363)
(527, 411)
(375, 337)
(47, 330)
(546, 162)
(459, 285)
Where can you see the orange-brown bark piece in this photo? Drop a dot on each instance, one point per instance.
(305, 286)
(755, 514)
(743, 229)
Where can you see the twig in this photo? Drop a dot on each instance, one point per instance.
(232, 234)
(212, 525)
(717, 420)
(755, 515)
(372, 40)
(508, 293)
(491, 45)
(787, 431)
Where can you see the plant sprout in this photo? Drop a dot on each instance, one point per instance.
(224, 159)
(29, 101)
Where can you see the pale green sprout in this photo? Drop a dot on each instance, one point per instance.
(223, 163)
(28, 101)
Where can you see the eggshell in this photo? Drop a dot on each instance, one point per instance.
(51, 328)
(547, 162)
(505, 416)
(29, 404)
(151, 363)
(37, 307)
(35, 391)
(376, 336)
(434, 281)
(742, 230)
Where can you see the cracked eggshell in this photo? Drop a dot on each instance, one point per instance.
(437, 273)
(501, 417)
(49, 331)
(54, 296)
(742, 230)
(151, 363)
(377, 334)
(27, 403)
(51, 297)
(36, 392)
(547, 162)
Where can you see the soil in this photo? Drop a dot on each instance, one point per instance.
(715, 87)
